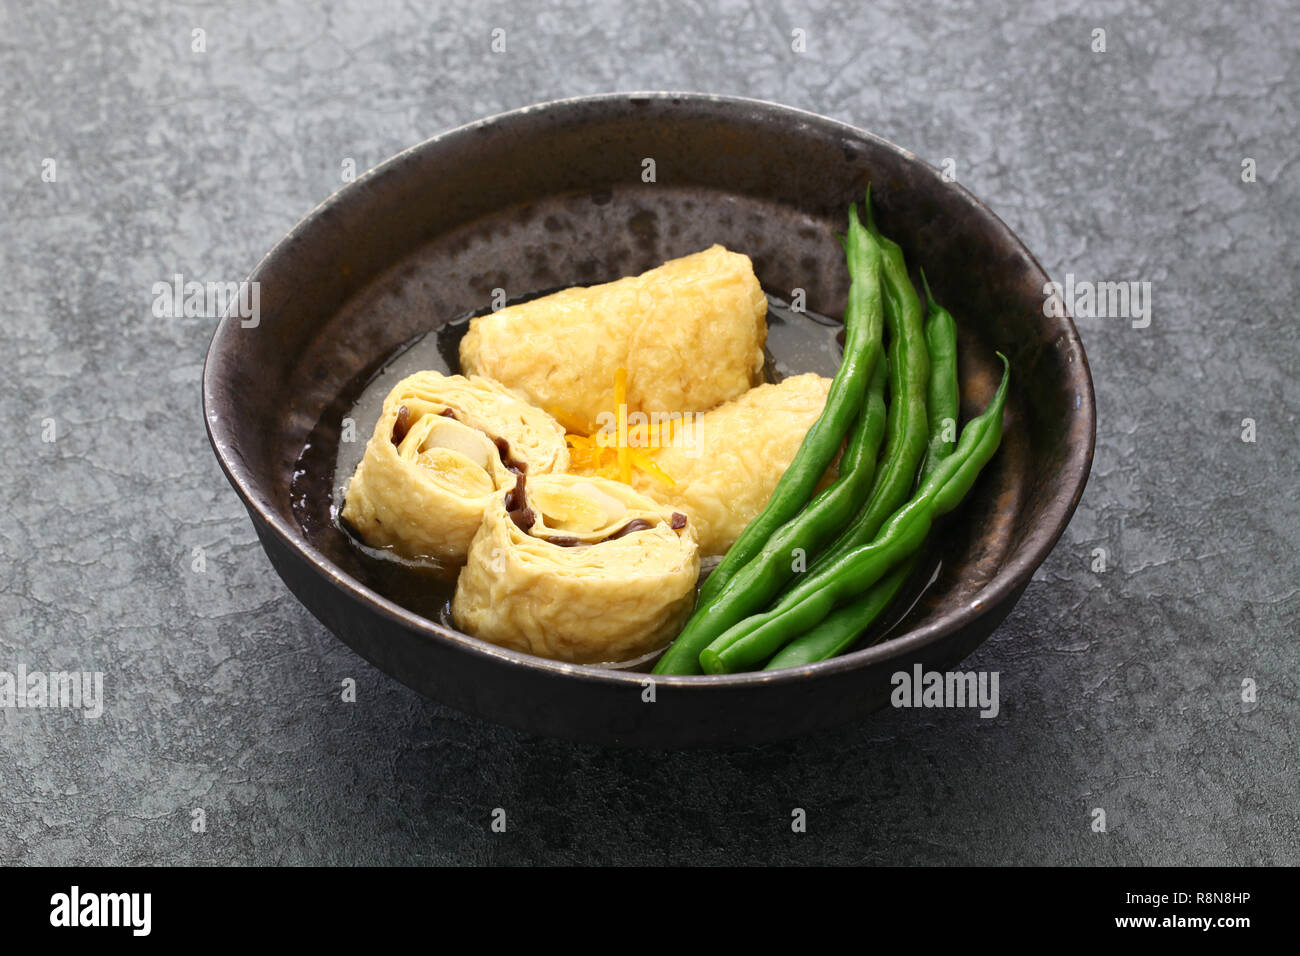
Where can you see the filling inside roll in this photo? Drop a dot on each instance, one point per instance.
(442, 448)
(578, 514)
(458, 457)
(579, 569)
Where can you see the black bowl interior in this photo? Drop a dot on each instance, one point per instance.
(558, 195)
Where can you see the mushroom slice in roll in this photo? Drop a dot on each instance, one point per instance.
(578, 569)
(444, 445)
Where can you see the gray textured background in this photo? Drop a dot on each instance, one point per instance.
(1120, 690)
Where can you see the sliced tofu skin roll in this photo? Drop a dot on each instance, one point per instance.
(443, 446)
(690, 334)
(577, 569)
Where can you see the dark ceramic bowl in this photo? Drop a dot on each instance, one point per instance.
(554, 195)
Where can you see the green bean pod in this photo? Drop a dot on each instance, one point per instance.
(846, 624)
(757, 638)
(864, 326)
(907, 430)
(943, 394)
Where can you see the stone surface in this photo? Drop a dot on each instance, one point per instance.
(1120, 690)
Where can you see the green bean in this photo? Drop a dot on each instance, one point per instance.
(863, 320)
(907, 428)
(846, 624)
(812, 599)
(942, 395)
